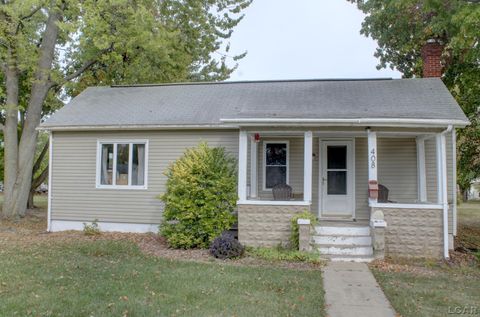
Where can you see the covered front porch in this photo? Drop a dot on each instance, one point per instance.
(334, 173)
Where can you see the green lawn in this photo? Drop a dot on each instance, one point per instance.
(434, 289)
(114, 278)
(40, 201)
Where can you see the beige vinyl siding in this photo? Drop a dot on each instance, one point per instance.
(362, 210)
(74, 192)
(397, 168)
(74, 196)
(295, 165)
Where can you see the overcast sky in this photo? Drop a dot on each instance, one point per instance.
(288, 39)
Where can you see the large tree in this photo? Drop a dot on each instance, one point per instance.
(402, 27)
(51, 50)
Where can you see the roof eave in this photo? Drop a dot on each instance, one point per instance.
(135, 127)
(384, 122)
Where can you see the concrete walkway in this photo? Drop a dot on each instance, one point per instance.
(351, 290)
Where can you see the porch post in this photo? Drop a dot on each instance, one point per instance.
(307, 166)
(421, 170)
(438, 148)
(242, 165)
(372, 159)
(253, 169)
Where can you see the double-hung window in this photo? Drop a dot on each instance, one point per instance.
(122, 164)
(276, 164)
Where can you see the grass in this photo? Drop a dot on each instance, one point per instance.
(283, 254)
(40, 201)
(429, 288)
(114, 278)
(469, 226)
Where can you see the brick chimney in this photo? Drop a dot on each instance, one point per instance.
(432, 59)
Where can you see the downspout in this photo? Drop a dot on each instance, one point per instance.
(446, 254)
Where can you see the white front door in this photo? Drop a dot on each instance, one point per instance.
(337, 198)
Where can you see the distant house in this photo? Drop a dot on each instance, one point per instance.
(329, 140)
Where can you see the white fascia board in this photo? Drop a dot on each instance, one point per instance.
(396, 122)
(138, 127)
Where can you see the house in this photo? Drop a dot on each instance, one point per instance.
(333, 141)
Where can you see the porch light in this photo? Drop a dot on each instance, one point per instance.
(256, 137)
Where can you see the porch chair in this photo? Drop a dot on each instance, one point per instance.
(282, 192)
(383, 194)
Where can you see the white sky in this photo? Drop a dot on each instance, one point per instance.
(288, 39)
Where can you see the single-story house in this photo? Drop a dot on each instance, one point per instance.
(334, 142)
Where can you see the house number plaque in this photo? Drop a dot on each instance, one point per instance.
(373, 158)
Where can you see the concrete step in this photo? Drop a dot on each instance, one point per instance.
(343, 231)
(348, 258)
(338, 249)
(342, 240)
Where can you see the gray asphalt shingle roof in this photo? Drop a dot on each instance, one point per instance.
(208, 103)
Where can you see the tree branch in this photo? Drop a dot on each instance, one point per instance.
(79, 71)
(83, 68)
(26, 17)
(40, 179)
(40, 158)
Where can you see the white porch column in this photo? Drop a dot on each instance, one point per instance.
(242, 165)
(442, 186)
(253, 169)
(438, 148)
(307, 166)
(421, 170)
(372, 158)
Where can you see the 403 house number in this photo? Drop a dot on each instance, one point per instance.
(373, 159)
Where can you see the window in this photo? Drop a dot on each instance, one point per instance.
(276, 164)
(122, 164)
(337, 170)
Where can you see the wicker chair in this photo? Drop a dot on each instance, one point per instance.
(282, 192)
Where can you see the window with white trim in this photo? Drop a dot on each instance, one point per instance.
(276, 163)
(122, 164)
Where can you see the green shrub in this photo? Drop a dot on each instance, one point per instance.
(282, 254)
(200, 198)
(91, 229)
(294, 235)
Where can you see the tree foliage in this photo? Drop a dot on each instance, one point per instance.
(402, 27)
(200, 198)
(50, 50)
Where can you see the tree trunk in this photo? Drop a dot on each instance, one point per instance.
(19, 189)
(10, 136)
(35, 183)
(30, 204)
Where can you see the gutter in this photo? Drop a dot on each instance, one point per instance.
(403, 122)
(136, 127)
(229, 123)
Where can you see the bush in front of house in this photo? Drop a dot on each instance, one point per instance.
(294, 234)
(226, 247)
(200, 198)
(91, 229)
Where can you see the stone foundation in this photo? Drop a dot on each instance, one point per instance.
(266, 225)
(413, 232)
